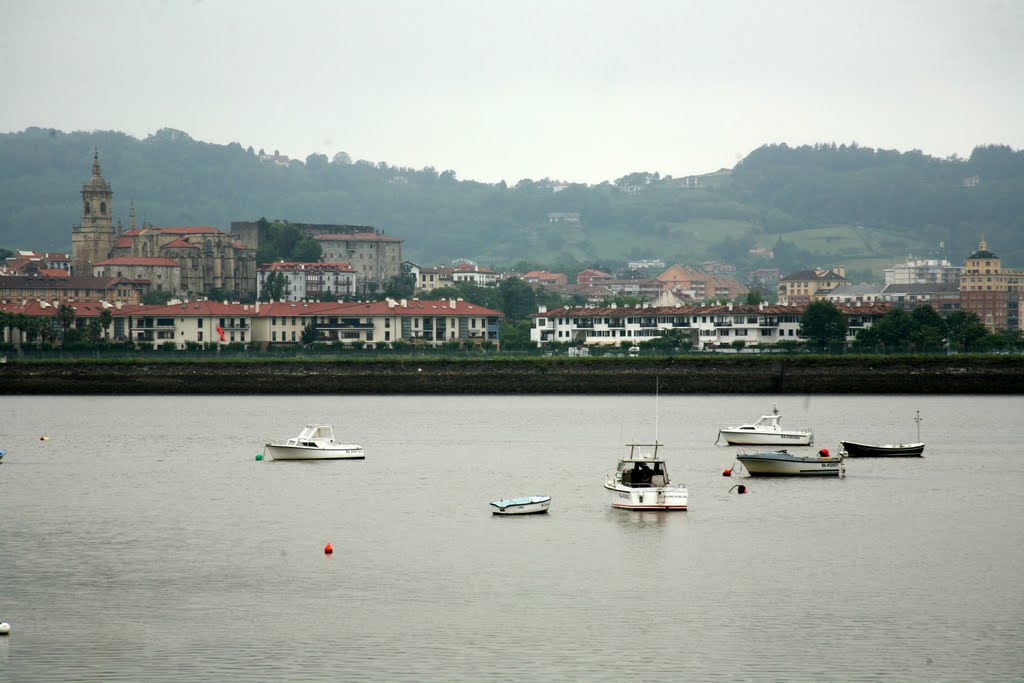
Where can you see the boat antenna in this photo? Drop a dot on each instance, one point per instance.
(917, 419)
(657, 411)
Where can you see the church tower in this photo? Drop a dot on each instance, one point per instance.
(93, 240)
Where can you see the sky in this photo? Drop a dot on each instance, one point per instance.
(573, 90)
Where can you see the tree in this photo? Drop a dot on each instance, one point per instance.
(516, 335)
(754, 297)
(156, 297)
(929, 328)
(518, 299)
(342, 159)
(309, 334)
(106, 319)
(965, 330)
(306, 251)
(273, 287)
(65, 318)
(821, 323)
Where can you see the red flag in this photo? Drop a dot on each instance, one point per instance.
(221, 333)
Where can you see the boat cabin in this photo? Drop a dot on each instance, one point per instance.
(314, 436)
(643, 468)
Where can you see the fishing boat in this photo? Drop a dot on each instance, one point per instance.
(854, 449)
(767, 431)
(782, 463)
(315, 442)
(529, 505)
(641, 482)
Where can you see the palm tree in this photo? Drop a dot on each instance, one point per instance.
(106, 320)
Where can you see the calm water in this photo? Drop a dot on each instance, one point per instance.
(142, 541)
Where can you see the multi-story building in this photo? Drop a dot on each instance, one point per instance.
(309, 281)
(992, 292)
(712, 326)
(854, 294)
(806, 286)
(943, 297)
(75, 288)
(46, 263)
(376, 258)
(922, 271)
(430, 322)
(542, 277)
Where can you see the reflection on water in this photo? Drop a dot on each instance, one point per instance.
(142, 541)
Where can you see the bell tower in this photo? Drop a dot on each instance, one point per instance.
(93, 240)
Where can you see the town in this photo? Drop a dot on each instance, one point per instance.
(198, 287)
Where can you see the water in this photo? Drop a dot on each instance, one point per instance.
(143, 541)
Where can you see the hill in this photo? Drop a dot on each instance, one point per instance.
(817, 205)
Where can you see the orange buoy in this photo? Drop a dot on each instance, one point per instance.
(726, 472)
(328, 549)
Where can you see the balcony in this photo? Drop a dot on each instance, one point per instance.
(722, 323)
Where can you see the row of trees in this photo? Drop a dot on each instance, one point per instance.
(823, 325)
(42, 330)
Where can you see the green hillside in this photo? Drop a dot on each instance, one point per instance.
(818, 205)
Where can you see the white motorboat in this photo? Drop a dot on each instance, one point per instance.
(529, 505)
(315, 442)
(767, 431)
(640, 482)
(782, 463)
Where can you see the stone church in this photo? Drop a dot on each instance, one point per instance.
(185, 261)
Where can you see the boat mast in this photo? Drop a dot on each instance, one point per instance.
(917, 419)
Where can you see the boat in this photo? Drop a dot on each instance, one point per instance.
(2, 455)
(641, 482)
(767, 431)
(314, 442)
(782, 463)
(528, 505)
(853, 449)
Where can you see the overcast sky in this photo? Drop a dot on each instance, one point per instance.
(575, 90)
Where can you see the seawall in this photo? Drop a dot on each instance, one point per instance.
(674, 375)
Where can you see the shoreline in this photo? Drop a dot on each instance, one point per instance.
(431, 375)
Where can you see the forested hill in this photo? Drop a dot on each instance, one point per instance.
(820, 205)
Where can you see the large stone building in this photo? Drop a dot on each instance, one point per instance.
(208, 259)
(376, 258)
(806, 286)
(992, 292)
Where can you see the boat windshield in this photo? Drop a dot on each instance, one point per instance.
(643, 472)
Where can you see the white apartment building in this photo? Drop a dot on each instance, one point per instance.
(715, 325)
(923, 272)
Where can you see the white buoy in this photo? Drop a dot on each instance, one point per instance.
(5, 628)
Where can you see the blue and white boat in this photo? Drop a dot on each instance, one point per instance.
(2, 455)
(528, 505)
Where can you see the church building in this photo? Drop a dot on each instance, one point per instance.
(185, 261)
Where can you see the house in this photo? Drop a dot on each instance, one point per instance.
(806, 286)
(45, 263)
(699, 285)
(433, 278)
(592, 276)
(540, 277)
(474, 274)
(308, 281)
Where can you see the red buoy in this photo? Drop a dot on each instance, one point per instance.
(726, 472)
(328, 549)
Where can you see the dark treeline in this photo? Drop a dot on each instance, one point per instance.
(175, 180)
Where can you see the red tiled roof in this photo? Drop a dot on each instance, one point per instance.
(718, 309)
(307, 266)
(53, 272)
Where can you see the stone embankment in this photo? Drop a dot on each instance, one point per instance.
(677, 375)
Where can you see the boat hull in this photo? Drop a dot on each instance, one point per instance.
(342, 452)
(751, 438)
(515, 507)
(903, 450)
(651, 498)
(778, 465)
